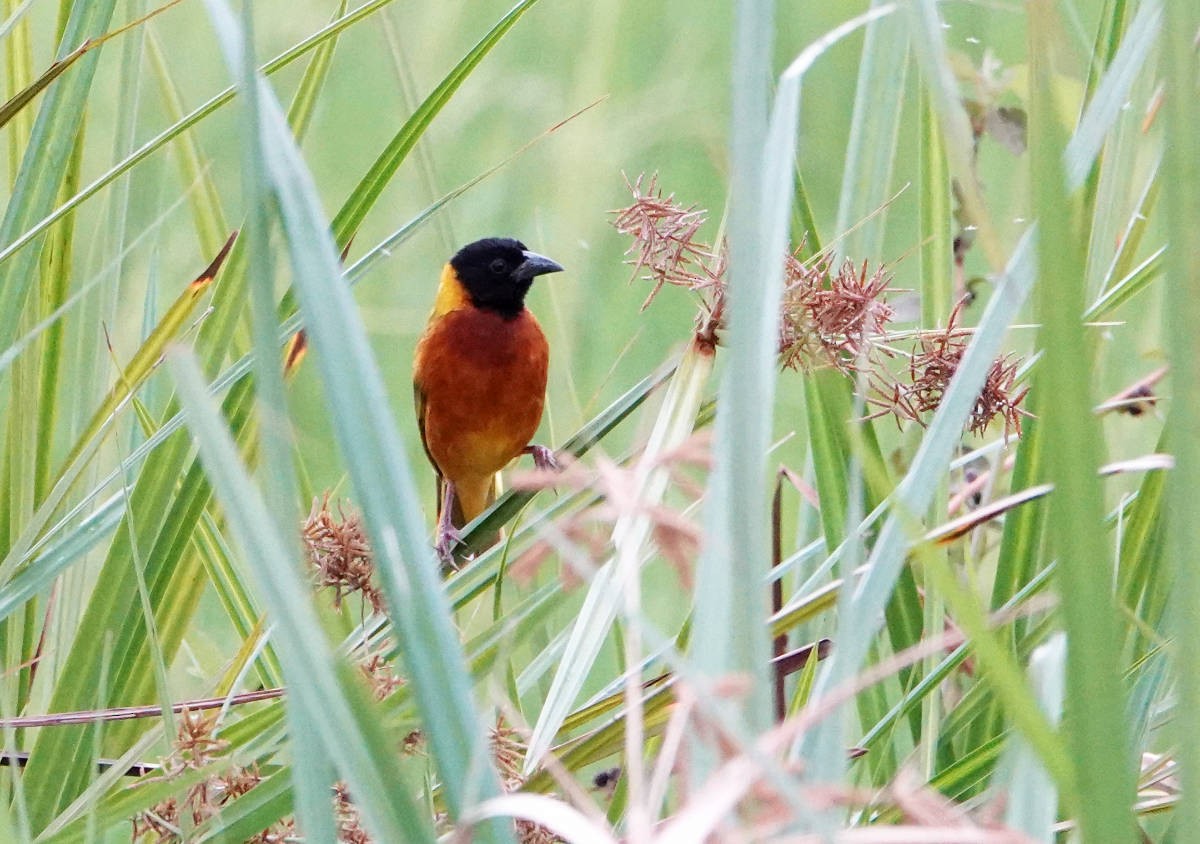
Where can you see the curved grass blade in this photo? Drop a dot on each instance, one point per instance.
(592, 626)
(1182, 194)
(1032, 800)
(929, 47)
(1138, 280)
(364, 195)
(728, 634)
(45, 161)
(22, 98)
(38, 576)
(1112, 93)
(304, 104)
(346, 724)
(140, 367)
(208, 217)
(871, 142)
(378, 465)
(15, 244)
(1101, 788)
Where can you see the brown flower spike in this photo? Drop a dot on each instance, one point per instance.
(829, 316)
(338, 549)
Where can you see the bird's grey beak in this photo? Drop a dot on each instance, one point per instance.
(535, 265)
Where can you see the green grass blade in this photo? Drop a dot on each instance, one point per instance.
(336, 706)
(929, 46)
(1182, 194)
(1032, 800)
(207, 214)
(38, 576)
(36, 226)
(18, 71)
(311, 782)
(364, 196)
(303, 105)
(1112, 93)
(937, 283)
(1095, 729)
(871, 143)
(1137, 281)
(45, 162)
(729, 635)
(378, 465)
(593, 623)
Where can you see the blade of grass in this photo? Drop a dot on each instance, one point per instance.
(728, 634)
(1113, 92)
(378, 465)
(593, 623)
(207, 214)
(930, 49)
(304, 104)
(18, 71)
(871, 141)
(1182, 164)
(1032, 801)
(38, 576)
(365, 194)
(22, 98)
(15, 244)
(345, 723)
(45, 162)
(311, 782)
(1096, 727)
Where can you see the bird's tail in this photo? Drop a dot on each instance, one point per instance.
(469, 501)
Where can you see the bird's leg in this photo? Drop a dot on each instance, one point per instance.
(543, 458)
(447, 534)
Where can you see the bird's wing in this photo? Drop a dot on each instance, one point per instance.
(421, 402)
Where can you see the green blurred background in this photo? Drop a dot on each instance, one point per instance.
(662, 70)
(659, 73)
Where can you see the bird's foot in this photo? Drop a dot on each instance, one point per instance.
(447, 534)
(448, 537)
(543, 458)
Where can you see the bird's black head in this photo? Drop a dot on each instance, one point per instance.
(496, 273)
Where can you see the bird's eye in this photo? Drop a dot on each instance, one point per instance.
(498, 266)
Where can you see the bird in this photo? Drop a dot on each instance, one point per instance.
(479, 379)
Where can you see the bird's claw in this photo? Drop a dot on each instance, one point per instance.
(448, 537)
(543, 458)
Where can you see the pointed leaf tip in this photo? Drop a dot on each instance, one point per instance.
(297, 348)
(210, 272)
